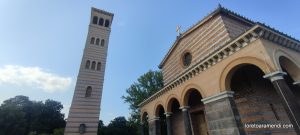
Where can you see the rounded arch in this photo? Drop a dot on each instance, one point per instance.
(287, 65)
(87, 64)
(98, 66)
(171, 98)
(187, 89)
(235, 64)
(157, 108)
(93, 65)
(280, 53)
(106, 23)
(144, 115)
(88, 92)
(101, 21)
(95, 20)
(97, 41)
(92, 41)
(102, 42)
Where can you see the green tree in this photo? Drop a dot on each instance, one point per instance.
(21, 116)
(146, 85)
(118, 126)
(12, 120)
(51, 116)
(101, 128)
(58, 131)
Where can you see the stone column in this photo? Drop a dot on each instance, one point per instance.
(169, 123)
(287, 97)
(222, 115)
(142, 128)
(154, 126)
(186, 119)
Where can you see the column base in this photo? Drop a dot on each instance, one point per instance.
(222, 115)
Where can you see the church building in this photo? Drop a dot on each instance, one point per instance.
(225, 75)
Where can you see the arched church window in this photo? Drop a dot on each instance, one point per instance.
(101, 22)
(93, 65)
(92, 40)
(99, 66)
(88, 91)
(87, 64)
(97, 41)
(106, 23)
(187, 59)
(95, 20)
(102, 42)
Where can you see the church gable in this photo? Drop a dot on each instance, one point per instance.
(202, 39)
(236, 25)
(198, 43)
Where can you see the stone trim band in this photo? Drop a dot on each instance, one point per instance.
(274, 76)
(218, 96)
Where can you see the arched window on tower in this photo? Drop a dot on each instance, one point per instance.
(99, 66)
(93, 65)
(106, 23)
(87, 64)
(101, 22)
(95, 20)
(88, 91)
(97, 41)
(102, 42)
(92, 40)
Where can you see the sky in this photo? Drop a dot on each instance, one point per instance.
(42, 41)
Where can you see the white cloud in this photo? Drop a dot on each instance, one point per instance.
(65, 110)
(34, 77)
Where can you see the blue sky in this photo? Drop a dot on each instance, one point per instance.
(41, 42)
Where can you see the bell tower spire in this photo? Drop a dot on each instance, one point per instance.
(85, 108)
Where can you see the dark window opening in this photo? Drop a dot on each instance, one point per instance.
(102, 42)
(187, 59)
(95, 20)
(106, 23)
(88, 92)
(93, 65)
(92, 40)
(87, 64)
(99, 66)
(101, 21)
(97, 41)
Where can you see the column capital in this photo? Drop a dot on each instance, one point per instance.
(274, 76)
(221, 95)
(296, 83)
(168, 114)
(184, 108)
(153, 119)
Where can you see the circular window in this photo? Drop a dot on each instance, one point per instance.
(187, 59)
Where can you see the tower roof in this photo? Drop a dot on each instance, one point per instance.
(102, 11)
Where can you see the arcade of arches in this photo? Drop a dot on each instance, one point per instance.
(250, 97)
(224, 86)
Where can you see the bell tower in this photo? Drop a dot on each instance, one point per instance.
(85, 108)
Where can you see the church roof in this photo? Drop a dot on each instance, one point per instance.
(220, 9)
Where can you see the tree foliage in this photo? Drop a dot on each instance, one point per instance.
(21, 116)
(118, 126)
(146, 85)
